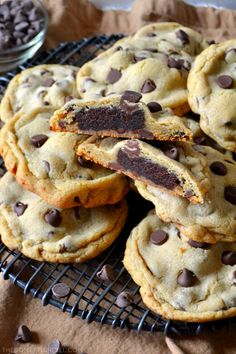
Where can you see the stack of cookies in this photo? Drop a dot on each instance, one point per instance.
(53, 205)
(157, 107)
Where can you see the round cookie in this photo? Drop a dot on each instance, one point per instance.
(45, 163)
(137, 65)
(181, 279)
(212, 92)
(47, 85)
(44, 233)
(172, 36)
(213, 220)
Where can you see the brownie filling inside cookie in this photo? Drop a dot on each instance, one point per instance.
(159, 175)
(126, 116)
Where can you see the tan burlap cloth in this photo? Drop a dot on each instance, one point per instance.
(73, 19)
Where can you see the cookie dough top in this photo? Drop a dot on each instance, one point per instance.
(185, 280)
(42, 231)
(212, 92)
(47, 85)
(172, 36)
(215, 219)
(45, 162)
(134, 64)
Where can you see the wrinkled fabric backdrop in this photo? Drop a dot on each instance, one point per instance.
(71, 20)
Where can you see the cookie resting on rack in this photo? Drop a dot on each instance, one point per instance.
(45, 233)
(181, 279)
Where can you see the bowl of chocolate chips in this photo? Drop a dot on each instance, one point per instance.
(23, 27)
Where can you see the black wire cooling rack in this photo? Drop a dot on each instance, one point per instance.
(90, 298)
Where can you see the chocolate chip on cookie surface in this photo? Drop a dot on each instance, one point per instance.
(44, 233)
(177, 279)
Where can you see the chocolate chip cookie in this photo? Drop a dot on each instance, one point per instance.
(177, 169)
(136, 65)
(181, 279)
(45, 233)
(45, 163)
(215, 219)
(47, 85)
(212, 92)
(126, 116)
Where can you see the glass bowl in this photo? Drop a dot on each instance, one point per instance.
(11, 58)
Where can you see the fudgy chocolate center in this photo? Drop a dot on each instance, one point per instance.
(125, 117)
(159, 175)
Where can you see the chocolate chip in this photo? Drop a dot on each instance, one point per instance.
(19, 208)
(84, 163)
(106, 273)
(38, 140)
(151, 34)
(48, 82)
(23, 335)
(211, 41)
(183, 36)
(225, 81)
(131, 96)
(159, 237)
(21, 26)
(53, 217)
(5, 12)
(230, 194)
(113, 76)
(228, 258)
(36, 25)
(124, 299)
(103, 93)
(154, 107)
(77, 199)
(20, 17)
(173, 63)
(153, 50)
(18, 34)
(61, 290)
(200, 140)
(34, 14)
(186, 278)
(46, 165)
(218, 168)
(148, 86)
(196, 244)
(55, 347)
(68, 98)
(138, 58)
(172, 153)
